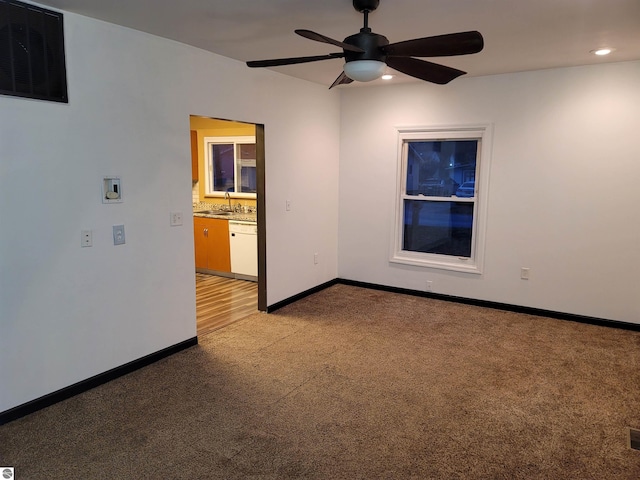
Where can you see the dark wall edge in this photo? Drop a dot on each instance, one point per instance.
(301, 295)
(95, 381)
(539, 312)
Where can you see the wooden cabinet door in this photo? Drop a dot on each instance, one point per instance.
(219, 251)
(201, 242)
(211, 239)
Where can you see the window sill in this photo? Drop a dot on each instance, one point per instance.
(234, 196)
(465, 265)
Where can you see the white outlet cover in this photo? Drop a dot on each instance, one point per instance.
(175, 219)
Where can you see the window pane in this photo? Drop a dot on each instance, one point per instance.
(442, 168)
(247, 151)
(222, 174)
(438, 227)
(247, 167)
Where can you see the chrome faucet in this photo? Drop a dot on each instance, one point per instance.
(228, 197)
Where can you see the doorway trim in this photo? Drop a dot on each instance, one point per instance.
(262, 218)
(260, 205)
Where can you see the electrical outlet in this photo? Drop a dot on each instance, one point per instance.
(288, 205)
(86, 238)
(429, 286)
(315, 258)
(524, 273)
(175, 219)
(118, 234)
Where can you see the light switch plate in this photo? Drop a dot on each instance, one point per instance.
(118, 234)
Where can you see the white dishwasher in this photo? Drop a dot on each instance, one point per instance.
(243, 242)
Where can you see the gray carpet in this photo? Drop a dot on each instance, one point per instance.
(353, 383)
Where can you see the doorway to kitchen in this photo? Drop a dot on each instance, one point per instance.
(228, 185)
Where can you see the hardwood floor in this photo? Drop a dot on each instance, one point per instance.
(221, 301)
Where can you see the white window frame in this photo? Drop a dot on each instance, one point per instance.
(237, 140)
(473, 264)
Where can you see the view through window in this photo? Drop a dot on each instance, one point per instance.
(437, 221)
(231, 165)
(438, 171)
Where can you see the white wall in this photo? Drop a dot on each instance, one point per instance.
(68, 313)
(564, 186)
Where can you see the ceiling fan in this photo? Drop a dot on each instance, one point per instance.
(367, 54)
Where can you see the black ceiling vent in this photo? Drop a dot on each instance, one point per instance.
(32, 52)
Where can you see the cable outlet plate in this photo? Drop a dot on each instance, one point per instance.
(86, 238)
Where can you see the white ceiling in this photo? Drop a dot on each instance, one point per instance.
(519, 35)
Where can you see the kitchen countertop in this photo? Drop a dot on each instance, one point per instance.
(215, 211)
(224, 215)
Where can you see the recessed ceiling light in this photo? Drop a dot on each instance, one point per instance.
(602, 51)
(387, 76)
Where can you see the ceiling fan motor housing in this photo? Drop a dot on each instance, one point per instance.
(369, 42)
(365, 5)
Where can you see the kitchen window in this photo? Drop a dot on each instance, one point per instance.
(231, 166)
(441, 197)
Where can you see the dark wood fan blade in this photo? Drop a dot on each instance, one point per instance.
(463, 43)
(341, 80)
(321, 38)
(292, 61)
(431, 72)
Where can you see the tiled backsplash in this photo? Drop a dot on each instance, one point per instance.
(197, 206)
(195, 194)
(236, 204)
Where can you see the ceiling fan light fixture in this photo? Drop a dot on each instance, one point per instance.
(602, 51)
(364, 70)
(387, 76)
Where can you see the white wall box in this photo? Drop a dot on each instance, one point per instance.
(111, 190)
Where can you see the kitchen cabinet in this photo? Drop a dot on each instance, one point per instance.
(211, 237)
(194, 155)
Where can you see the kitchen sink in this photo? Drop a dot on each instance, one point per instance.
(215, 212)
